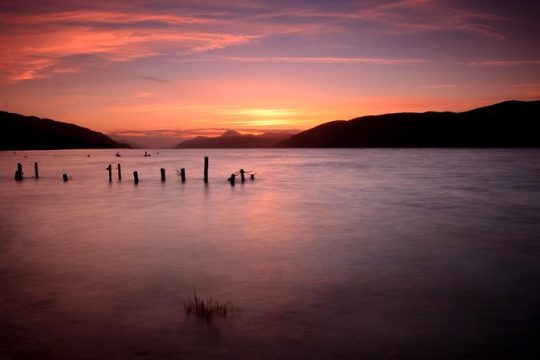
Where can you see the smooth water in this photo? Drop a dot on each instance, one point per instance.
(328, 254)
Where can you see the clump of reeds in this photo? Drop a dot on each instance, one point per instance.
(206, 308)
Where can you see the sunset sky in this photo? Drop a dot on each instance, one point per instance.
(197, 67)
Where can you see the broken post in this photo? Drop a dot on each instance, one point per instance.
(242, 175)
(36, 172)
(183, 174)
(232, 179)
(162, 170)
(136, 177)
(119, 172)
(19, 173)
(65, 177)
(109, 169)
(206, 169)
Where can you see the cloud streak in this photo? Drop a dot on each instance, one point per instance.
(154, 79)
(503, 63)
(328, 60)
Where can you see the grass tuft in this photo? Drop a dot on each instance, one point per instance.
(206, 308)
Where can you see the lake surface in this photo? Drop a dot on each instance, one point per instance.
(328, 254)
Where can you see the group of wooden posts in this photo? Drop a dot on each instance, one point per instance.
(231, 179)
(19, 173)
(242, 173)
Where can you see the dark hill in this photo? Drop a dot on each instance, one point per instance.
(507, 124)
(20, 132)
(233, 139)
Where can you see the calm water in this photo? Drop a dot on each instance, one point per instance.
(328, 254)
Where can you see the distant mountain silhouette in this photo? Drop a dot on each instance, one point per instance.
(230, 133)
(507, 124)
(233, 139)
(146, 141)
(18, 132)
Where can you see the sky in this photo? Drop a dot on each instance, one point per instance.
(187, 68)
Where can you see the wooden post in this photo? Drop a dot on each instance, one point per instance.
(206, 169)
(252, 176)
(136, 177)
(65, 177)
(36, 172)
(119, 172)
(232, 179)
(19, 173)
(183, 174)
(162, 174)
(242, 176)
(109, 169)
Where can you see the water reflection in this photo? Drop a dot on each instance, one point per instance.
(329, 253)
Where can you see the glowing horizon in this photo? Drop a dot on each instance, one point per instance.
(184, 66)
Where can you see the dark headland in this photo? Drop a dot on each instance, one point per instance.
(19, 132)
(506, 124)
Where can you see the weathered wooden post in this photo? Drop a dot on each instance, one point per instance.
(183, 174)
(109, 169)
(19, 173)
(252, 176)
(232, 179)
(242, 175)
(206, 169)
(65, 177)
(136, 177)
(162, 170)
(119, 172)
(36, 172)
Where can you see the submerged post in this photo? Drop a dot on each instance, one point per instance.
(206, 169)
(65, 177)
(162, 170)
(242, 175)
(183, 174)
(119, 172)
(36, 172)
(136, 177)
(232, 179)
(19, 173)
(109, 169)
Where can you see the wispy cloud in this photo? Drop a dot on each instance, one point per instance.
(93, 17)
(328, 60)
(503, 63)
(417, 16)
(144, 94)
(154, 79)
(41, 50)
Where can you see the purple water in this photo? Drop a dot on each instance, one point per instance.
(328, 254)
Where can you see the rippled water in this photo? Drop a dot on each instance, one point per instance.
(328, 254)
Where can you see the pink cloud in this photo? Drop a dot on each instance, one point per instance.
(36, 46)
